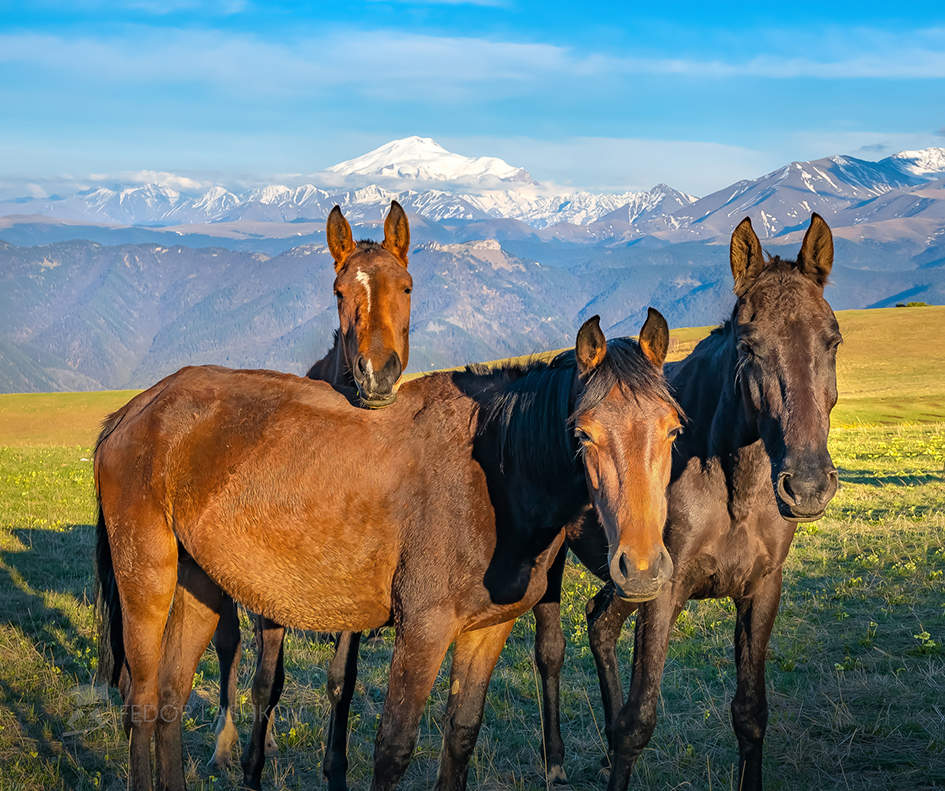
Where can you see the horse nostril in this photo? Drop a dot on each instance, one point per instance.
(360, 366)
(392, 369)
(622, 565)
(784, 487)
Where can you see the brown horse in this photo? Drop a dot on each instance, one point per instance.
(370, 351)
(439, 514)
(753, 462)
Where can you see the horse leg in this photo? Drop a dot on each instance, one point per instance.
(474, 658)
(193, 618)
(549, 657)
(226, 640)
(342, 675)
(267, 687)
(634, 724)
(606, 615)
(146, 589)
(419, 648)
(754, 620)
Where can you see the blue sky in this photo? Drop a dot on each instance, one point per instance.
(604, 96)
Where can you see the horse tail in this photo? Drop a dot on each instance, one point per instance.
(111, 644)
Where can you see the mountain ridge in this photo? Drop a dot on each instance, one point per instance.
(498, 271)
(440, 185)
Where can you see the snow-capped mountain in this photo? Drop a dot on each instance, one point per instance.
(426, 178)
(442, 186)
(783, 199)
(423, 159)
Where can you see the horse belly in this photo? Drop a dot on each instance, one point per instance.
(305, 574)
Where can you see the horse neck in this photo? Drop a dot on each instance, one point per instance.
(543, 487)
(332, 368)
(706, 389)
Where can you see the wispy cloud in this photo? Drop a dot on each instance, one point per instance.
(158, 8)
(380, 62)
(620, 164)
(160, 177)
(384, 61)
(485, 3)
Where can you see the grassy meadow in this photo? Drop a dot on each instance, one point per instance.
(856, 668)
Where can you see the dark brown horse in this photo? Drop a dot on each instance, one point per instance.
(439, 514)
(752, 463)
(370, 350)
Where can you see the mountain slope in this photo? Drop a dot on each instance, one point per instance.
(80, 315)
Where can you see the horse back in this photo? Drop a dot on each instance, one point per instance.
(265, 480)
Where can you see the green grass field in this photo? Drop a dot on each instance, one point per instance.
(856, 670)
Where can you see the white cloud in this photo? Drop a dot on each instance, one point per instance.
(159, 177)
(380, 62)
(618, 164)
(34, 191)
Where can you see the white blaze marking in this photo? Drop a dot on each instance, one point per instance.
(365, 280)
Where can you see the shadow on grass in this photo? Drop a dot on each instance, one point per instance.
(53, 562)
(871, 478)
(53, 712)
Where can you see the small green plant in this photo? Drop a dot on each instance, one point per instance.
(926, 645)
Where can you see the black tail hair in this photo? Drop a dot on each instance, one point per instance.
(111, 644)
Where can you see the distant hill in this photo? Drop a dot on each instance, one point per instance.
(81, 315)
(888, 371)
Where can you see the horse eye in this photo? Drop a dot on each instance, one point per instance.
(337, 294)
(407, 290)
(581, 436)
(676, 432)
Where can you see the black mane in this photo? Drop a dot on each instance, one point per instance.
(530, 408)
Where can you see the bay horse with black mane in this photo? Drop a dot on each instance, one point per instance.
(370, 350)
(752, 463)
(439, 514)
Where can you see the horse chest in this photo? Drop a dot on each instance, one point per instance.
(724, 531)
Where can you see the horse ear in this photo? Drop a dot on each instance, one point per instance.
(397, 232)
(340, 241)
(816, 256)
(591, 346)
(745, 255)
(654, 338)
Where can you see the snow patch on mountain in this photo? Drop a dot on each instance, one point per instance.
(926, 163)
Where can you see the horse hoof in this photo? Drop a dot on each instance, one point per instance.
(557, 775)
(227, 738)
(218, 760)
